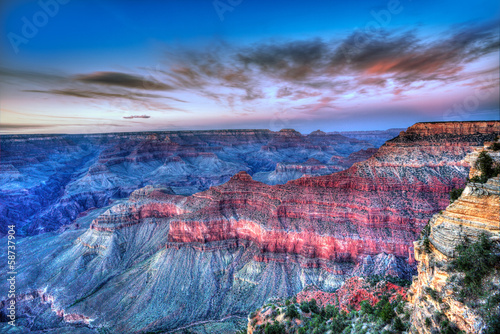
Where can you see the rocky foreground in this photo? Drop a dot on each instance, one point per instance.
(161, 262)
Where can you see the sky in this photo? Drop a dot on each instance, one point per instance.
(74, 66)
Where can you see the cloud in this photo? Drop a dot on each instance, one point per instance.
(32, 76)
(291, 61)
(308, 75)
(136, 99)
(88, 94)
(356, 62)
(324, 103)
(7, 126)
(121, 80)
(296, 94)
(406, 58)
(136, 116)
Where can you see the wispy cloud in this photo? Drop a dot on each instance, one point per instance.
(304, 75)
(136, 116)
(121, 80)
(330, 68)
(88, 94)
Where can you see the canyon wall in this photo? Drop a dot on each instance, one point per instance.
(378, 205)
(435, 292)
(376, 137)
(46, 181)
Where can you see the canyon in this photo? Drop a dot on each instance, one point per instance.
(47, 181)
(203, 255)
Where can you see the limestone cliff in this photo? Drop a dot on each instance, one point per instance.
(434, 294)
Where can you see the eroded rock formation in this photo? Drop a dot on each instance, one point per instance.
(434, 293)
(47, 180)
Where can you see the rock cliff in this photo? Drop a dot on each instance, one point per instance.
(435, 294)
(375, 206)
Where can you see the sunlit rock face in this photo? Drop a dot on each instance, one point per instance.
(476, 211)
(48, 180)
(161, 260)
(375, 206)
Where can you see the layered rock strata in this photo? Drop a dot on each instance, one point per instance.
(47, 180)
(435, 289)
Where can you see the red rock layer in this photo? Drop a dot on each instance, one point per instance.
(375, 206)
(352, 293)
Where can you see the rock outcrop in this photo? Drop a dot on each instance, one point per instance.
(434, 293)
(316, 311)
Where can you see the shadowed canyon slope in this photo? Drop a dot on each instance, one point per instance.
(160, 261)
(48, 180)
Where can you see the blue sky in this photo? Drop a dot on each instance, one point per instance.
(104, 66)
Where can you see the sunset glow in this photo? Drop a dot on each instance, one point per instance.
(107, 66)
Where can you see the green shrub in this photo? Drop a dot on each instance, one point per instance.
(495, 147)
(313, 306)
(427, 244)
(338, 325)
(493, 325)
(384, 310)
(304, 306)
(398, 325)
(433, 293)
(291, 312)
(485, 165)
(425, 233)
(366, 307)
(387, 313)
(400, 308)
(476, 179)
(448, 327)
(331, 312)
(275, 328)
(475, 260)
(455, 194)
